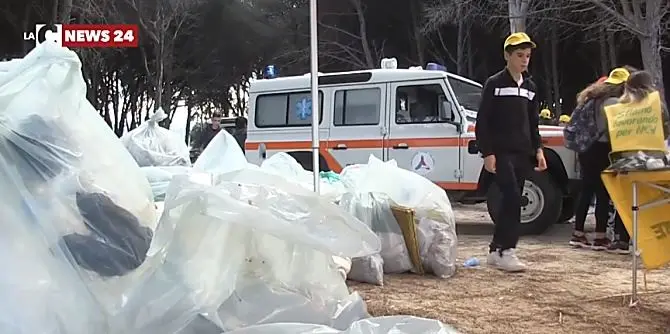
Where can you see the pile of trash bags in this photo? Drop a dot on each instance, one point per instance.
(90, 246)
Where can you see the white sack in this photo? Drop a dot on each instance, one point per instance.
(221, 155)
(152, 145)
(436, 220)
(77, 214)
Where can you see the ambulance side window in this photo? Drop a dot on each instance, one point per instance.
(286, 109)
(357, 107)
(420, 104)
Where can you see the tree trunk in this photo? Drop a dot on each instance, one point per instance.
(555, 74)
(189, 117)
(65, 11)
(54, 11)
(24, 26)
(651, 58)
(518, 11)
(604, 51)
(363, 30)
(611, 54)
(650, 45)
(471, 56)
(546, 66)
(416, 31)
(460, 48)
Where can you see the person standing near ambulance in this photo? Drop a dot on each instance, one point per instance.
(509, 140)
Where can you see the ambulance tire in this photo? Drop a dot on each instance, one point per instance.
(567, 210)
(542, 202)
(305, 160)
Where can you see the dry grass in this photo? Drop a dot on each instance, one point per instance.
(565, 291)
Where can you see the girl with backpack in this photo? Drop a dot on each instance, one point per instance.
(587, 134)
(638, 86)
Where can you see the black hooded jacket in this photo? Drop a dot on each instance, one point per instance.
(507, 120)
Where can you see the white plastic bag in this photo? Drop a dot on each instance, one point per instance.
(258, 253)
(429, 202)
(152, 145)
(223, 154)
(77, 213)
(374, 210)
(380, 325)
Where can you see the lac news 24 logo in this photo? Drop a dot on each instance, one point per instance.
(86, 35)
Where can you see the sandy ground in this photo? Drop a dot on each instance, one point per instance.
(566, 290)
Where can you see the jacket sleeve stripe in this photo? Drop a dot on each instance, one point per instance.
(514, 91)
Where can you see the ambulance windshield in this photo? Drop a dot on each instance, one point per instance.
(469, 95)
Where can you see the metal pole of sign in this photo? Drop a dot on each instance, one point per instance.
(633, 296)
(316, 105)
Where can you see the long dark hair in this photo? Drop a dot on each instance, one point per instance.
(638, 86)
(599, 90)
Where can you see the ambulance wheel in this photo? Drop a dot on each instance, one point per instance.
(541, 203)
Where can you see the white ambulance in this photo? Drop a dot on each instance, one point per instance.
(423, 119)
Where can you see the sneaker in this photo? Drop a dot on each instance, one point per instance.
(579, 241)
(619, 247)
(601, 244)
(493, 258)
(508, 261)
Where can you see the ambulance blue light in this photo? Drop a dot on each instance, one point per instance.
(269, 72)
(435, 67)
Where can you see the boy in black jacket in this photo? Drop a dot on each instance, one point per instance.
(509, 140)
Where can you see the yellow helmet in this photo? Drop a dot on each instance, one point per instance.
(564, 119)
(545, 113)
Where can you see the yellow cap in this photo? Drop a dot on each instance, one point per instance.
(564, 119)
(618, 76)
(545, 113)
(518, 38)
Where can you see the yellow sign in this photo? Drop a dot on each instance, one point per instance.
(636, 126)
(653, 235)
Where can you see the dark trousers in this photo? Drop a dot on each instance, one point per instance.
(511, 173)
(593, 162)
(620, 230)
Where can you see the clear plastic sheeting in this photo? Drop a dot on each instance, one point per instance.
(247, 254)
(434, 218)
(380, 325)
(152, 145)
(159, 178)
(77, 214)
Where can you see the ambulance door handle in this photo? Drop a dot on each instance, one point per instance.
(340, 147)
(401, 146)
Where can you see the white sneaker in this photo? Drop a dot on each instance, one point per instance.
(510, 262)
(493, 258)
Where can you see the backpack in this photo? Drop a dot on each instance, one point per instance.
(582, 131)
